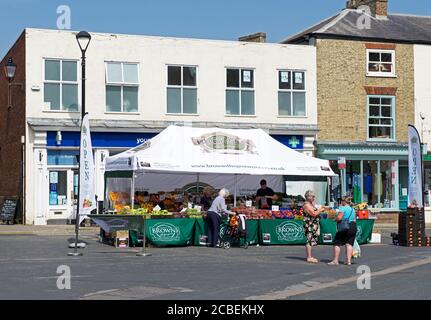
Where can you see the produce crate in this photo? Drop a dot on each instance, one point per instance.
(411, 228)
(363, 214)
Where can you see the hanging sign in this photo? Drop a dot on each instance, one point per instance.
(415, 169)
(87, 201)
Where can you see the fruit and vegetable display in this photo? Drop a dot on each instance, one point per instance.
(194, 213)
(180, 206)
(283, 213)
(361, 206)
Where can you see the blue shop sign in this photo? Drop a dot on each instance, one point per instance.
(293, 142)
(100, 139)
(130, 140)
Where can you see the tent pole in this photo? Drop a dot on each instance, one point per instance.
(133, 190)
(234, 195)
(197, 182)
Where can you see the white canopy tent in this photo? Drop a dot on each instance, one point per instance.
(179, 156)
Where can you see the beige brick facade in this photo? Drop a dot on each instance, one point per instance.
(341, 93)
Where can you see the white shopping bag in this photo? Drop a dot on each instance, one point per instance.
(356, 250)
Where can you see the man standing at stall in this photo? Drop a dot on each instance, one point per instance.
(265, 196)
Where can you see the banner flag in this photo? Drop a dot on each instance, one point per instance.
(415, 169)
(87, 199)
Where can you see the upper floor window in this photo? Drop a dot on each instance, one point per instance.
(240, 92)
(182, 90)
(122, 84)
(60, 88)
(381, 63)
(291, 93)
(381, 117)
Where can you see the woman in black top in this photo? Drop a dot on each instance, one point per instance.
(207, 199)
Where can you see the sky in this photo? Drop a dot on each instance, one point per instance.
(215, 19)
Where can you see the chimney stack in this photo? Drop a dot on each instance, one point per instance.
(256, 37)
(378, 8)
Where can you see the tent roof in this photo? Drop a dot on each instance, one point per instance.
(220, 151)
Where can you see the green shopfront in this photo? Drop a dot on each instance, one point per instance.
(376, 173)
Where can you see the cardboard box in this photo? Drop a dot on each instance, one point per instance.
(122, 239)
(376, 238)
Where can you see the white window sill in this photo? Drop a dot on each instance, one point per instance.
(293, 117)
(381, 75)
(381, 140)
(60, 111)
(240, 116)
(182, 114)
(124, 113)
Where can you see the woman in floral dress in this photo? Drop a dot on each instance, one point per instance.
(311, 224)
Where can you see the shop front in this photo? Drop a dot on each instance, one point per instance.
(56, 165)
(375, 173)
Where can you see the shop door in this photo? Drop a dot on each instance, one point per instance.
(72, 192)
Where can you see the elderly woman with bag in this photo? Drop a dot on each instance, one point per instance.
(346, 231)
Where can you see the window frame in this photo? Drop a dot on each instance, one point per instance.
(61, 82)
(291, 91)
(182, 87)
(393, 117)
(392, 74)
(239, 89)
(122, 85)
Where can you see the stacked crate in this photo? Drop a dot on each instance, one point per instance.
(411, 228)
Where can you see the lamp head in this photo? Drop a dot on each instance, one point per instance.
(10, 69)
(422, 116)
(83, 38)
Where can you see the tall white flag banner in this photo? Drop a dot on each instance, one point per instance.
(415, 169)
(87, 199)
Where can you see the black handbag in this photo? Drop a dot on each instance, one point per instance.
(344, 225)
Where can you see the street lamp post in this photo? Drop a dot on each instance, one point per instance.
(83, 38)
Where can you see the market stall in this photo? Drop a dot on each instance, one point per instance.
(165, 176)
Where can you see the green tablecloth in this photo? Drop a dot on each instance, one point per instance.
(170, 232)
(328, 229)
(181, 232)
(160, 232)
(201, 232)
(281, 231)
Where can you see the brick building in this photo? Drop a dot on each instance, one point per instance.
(366, 80)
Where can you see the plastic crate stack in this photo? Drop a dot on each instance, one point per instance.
(411, 229)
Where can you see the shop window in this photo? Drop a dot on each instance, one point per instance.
(371, 181)
(381, 63)
(57, 188)
(291, 93)
(381, 117)
(240, 92)
(182, 90)
(63, 157)
(122, 87)
(387, 172)
(353, 180)
(61, 85)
